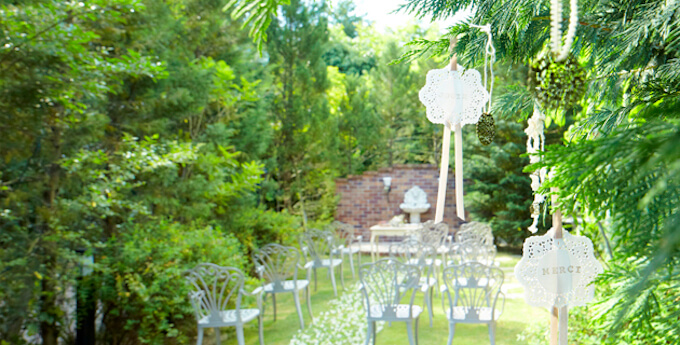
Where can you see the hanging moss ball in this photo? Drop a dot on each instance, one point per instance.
(486, 129)
(557, 83)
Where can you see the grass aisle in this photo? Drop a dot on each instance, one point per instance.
(344, 322)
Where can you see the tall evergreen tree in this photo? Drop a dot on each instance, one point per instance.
(297, 41)
(500, 191)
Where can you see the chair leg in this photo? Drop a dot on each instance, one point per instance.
(409, 330)
(359, 256)
(315, 287)
(452, 330)
(351, 263)
(260, 329)
(428, 301)
(332, 273)
(199, 340)
(240, 339)
(435, 291)
(274, 304)
(342, 275)
(217, 335)
(369, 332)
(417, 319)
(442, 299)
(296, 297)
(375, 331)
(492, 332)
(309, 303)
(436, 276)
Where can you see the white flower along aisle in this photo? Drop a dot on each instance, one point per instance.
(344, 323)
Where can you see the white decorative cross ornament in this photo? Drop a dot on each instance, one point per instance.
(453, 96)
(535, 142)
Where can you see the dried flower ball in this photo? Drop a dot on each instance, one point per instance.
(557, 83)
(486, 129)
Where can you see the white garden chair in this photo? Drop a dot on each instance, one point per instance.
(384, 285)
(423, 256)
(474, 242)
(431, 233)
(470, 252)
(320, 246)
(435, 235)
(476, 288)
(278, 267)
(215, 290)
(351, 244)
(475, 232)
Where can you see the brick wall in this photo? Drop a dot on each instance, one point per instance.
(364, 203)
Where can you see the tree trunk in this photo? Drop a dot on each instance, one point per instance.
(49, 330)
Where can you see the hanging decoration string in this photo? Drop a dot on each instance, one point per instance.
(562, 51)
(489, 59)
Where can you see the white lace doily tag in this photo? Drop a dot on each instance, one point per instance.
(557, 272)
(456, 96)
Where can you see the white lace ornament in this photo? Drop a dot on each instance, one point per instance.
(535, 143)
(454, 96)
(557, 272)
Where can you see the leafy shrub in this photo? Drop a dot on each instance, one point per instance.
(255, 227)
(143, 285)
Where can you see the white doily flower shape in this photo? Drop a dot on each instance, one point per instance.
(558, 272)
(454, 96)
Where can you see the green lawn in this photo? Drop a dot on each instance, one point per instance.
(517, 316)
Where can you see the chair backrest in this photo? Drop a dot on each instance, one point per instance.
(386, 282)
(471, 252)
(413, 252)
(344, 231)
(276, 263)
(213, 288)
(475, 232)
(434, 234)
(319, 244)
(475, 286)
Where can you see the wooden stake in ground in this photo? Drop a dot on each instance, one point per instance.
(560, 316)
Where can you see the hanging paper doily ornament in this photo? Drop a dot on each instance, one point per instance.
(557, 272)
(557, 83)
(486, 129)
(453, 96)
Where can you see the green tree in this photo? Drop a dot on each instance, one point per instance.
(119, 116)
(619, 163)
(500, 191)
(297, 42)
(55, 73)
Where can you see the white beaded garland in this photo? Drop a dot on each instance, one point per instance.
(562, 51)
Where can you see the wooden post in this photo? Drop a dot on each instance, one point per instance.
(554, 317)
(559, 318)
